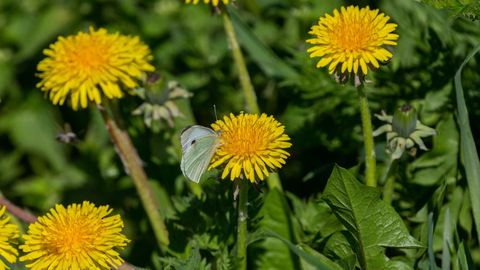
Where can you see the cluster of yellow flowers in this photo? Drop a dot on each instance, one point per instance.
(80, 236)
(95, 65)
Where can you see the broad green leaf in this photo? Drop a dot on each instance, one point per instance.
(275, 216)
(373, 224)
(469, 150)
(271, 64)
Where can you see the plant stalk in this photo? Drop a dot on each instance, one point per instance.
(250, 97)
(242, 223)
(370, 162)
(245, 82)
(388, 182)
(133, 167)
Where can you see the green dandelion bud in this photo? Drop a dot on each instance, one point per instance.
(404, 120)
(403, 130)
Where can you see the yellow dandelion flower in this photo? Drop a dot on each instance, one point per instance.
(80, 236)
(213, 2)
(250, 145)
(8, 234)
(90, 65)
(352, 40)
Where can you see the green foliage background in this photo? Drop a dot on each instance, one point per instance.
(322, 118)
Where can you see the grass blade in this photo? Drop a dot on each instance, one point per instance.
(270, 63)
(431, 254)
(469, 151)
(446, 257)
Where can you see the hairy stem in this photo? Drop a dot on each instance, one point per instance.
(242, 224)
(388, 181)
(370, 162)
(17, 211)
(133, 167)
(245, 82)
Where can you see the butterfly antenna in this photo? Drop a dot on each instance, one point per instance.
(215, 111)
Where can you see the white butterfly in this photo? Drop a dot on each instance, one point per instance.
(198, 147)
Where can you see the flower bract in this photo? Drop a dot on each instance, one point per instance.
(251, 145)
(92, 65)
(8, 236)
(80, 236)
(352, 40)
(403, 131)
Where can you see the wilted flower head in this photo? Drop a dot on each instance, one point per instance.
(92, 65)
(212, 2)
(80, 236)
(160, 103)
(8, 235)
(250, 146)
(352, 40)
(403, 130)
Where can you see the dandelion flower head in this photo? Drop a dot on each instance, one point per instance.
(92, 65)
(213, 2)
(8, 235)
(352, 40)
(80, 236)
(251, 145)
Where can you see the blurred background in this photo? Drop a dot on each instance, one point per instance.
(190, 47)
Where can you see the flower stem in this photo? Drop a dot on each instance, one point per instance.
(16, 211)
(133, 166)
(242, 223)
(388, 181)
(370, 162)
(246, 83)
(250, 97)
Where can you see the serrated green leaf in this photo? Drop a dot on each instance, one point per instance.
(469, 150)
(373, 223)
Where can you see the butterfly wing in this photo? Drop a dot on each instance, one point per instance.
(190, 134)
(198, 146)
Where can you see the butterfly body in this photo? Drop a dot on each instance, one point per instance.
(198, 147)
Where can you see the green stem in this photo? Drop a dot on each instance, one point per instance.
(388, 182)
(242, 224)
(245, 82)
(250, 97)
(17, 213)
(133, 166)
(370, 162)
